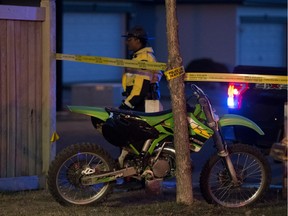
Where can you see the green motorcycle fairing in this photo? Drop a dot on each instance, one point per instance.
(232, 120)
(163, 122)
(97, 112)
(101, 113)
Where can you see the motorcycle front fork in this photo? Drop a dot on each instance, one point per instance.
(217, 137)
(223, 152)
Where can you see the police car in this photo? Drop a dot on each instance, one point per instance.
(262, 103)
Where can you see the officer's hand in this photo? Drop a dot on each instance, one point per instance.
(124, 106)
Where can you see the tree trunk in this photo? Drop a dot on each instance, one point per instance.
(177, 89)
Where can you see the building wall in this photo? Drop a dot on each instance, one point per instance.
(93, 34)
(205, 31)
(261, 36)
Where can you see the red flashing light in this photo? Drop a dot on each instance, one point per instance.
(235, 91)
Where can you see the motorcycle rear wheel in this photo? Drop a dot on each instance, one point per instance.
(65, 173)
(253, 173)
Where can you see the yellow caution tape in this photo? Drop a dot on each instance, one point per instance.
(171, 74)
(112, 61)
(54, 137)
(175, 72)
(226, 77)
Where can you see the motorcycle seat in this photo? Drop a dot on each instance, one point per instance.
(136, 113)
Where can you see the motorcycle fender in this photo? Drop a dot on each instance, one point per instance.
(97, 112)
(232, 119)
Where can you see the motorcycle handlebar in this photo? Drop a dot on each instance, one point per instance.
(197, 91)
(204, 102)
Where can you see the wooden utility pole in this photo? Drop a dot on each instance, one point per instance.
(176, 86)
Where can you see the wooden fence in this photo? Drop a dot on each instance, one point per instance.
(25, 97)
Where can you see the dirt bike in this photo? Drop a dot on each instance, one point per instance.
(235, 175)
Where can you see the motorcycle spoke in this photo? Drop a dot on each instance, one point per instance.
(249, 174)
(69, 183)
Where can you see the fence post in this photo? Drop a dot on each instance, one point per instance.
(49, 82)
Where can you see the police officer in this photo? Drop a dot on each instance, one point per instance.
(139, 84)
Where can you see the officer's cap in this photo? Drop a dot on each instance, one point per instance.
(137, 32)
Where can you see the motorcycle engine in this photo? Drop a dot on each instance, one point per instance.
(161, 168)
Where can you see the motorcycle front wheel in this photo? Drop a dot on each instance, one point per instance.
(65, 172)
(252, 171)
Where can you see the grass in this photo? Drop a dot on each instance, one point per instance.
(136, 203)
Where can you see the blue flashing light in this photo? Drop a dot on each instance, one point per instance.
(231, 103)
